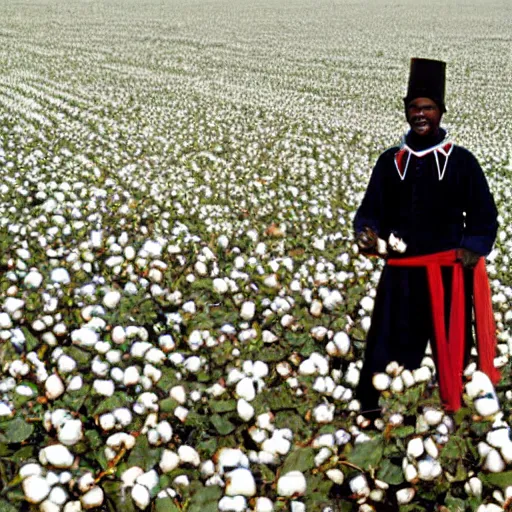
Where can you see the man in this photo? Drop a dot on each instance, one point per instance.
(427, 210)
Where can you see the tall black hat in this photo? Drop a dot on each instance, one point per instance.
(427, 80)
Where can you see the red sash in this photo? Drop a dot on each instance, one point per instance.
(450, 348)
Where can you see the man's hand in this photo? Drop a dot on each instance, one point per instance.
(367, 240)
(468, 258)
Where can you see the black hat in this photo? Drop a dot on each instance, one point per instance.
(427, 80)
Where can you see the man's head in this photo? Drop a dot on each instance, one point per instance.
(424, 102)
(423, 116)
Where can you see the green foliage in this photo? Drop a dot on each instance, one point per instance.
(367, 455)
(301, 459)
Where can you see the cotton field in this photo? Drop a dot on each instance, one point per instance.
(182, 306)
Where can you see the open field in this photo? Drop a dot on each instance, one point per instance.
(182, 307)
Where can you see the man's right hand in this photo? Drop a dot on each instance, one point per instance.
(367, 240)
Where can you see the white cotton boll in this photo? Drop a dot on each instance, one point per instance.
(233, 504)
(486, 406)
(291, 483)
(433, 416)
(381, 381)
(33, 280)
(480, 384)
(415, 447)
(431, 448)
(111, 299)
(148, 479)
(181, 413)
(141, 496)
(429, 469)
(31, 469)
(324, 413)
(164, 430)
(169, 461)
(367, 304)
(131, 376)
(506, 452)
(342, 342)
(54, 387)
(316, 308)
(410, 473)
(397, 385)
(359, 486)
(323, 455)
(107, 421)
(179, 394)
(307, 367)
(245, 389)
(70, 433)
(366, 322)
(297, 506)
(483, 449)
(241, 482)
(104, 387)
(52, 478)
(66, 364)
(494, 462)
(263, 505)
(404, 496)
(422, 374)
(248, 310)
(352, 376)
(499, 437)
(58, 496)
(130, 476)
(188, 455)
(245, 410)
(35, 488)
(474, 487)
(56, 455)
(118, 335)
(60, 275)
(260, 369)
(336, 475)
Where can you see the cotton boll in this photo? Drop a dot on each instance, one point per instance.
(240, 482)
(494, 462)
(381, 381)
(404, 496)
(245, 410)
(291, 483)
(54, 387)
(263, 505)
(474, 487)
(487, 406)
(56, 455)
(336, 475)
(248, 310)
(130, 476)
(359, 486)
(35, 488)
(93, 498)
(429, 469)
(415, 447)
(433, 416)
(188, 455)
(232, 504)
(410, 473)
(141, 496)
(245, 389)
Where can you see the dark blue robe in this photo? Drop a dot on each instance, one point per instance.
(431, 215)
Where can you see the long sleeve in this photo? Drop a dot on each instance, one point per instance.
(481, 223)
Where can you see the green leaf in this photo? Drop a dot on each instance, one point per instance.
(168, 379)
(31, 342)
(143, 455)
(390, 473)
(119, 497)
(455, 448)
(500, 480)
(119, 399)
(367, 455)
(220, 406)
(5, 506)
(274, 353)
(209, 495)
(301, 459)
(23, 454)
(222, 424)
(402, 432)
(82, 357)
(412, 507)
(455, 504)
(165, 505)
(168, 405)
(16, 431)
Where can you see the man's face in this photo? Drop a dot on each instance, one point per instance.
(423, 116)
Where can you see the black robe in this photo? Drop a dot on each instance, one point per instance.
(431, 211)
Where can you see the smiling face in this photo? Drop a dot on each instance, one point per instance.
(423, 116)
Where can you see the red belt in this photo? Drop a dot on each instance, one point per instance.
(450, 348)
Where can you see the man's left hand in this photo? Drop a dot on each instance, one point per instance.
(468, 258)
